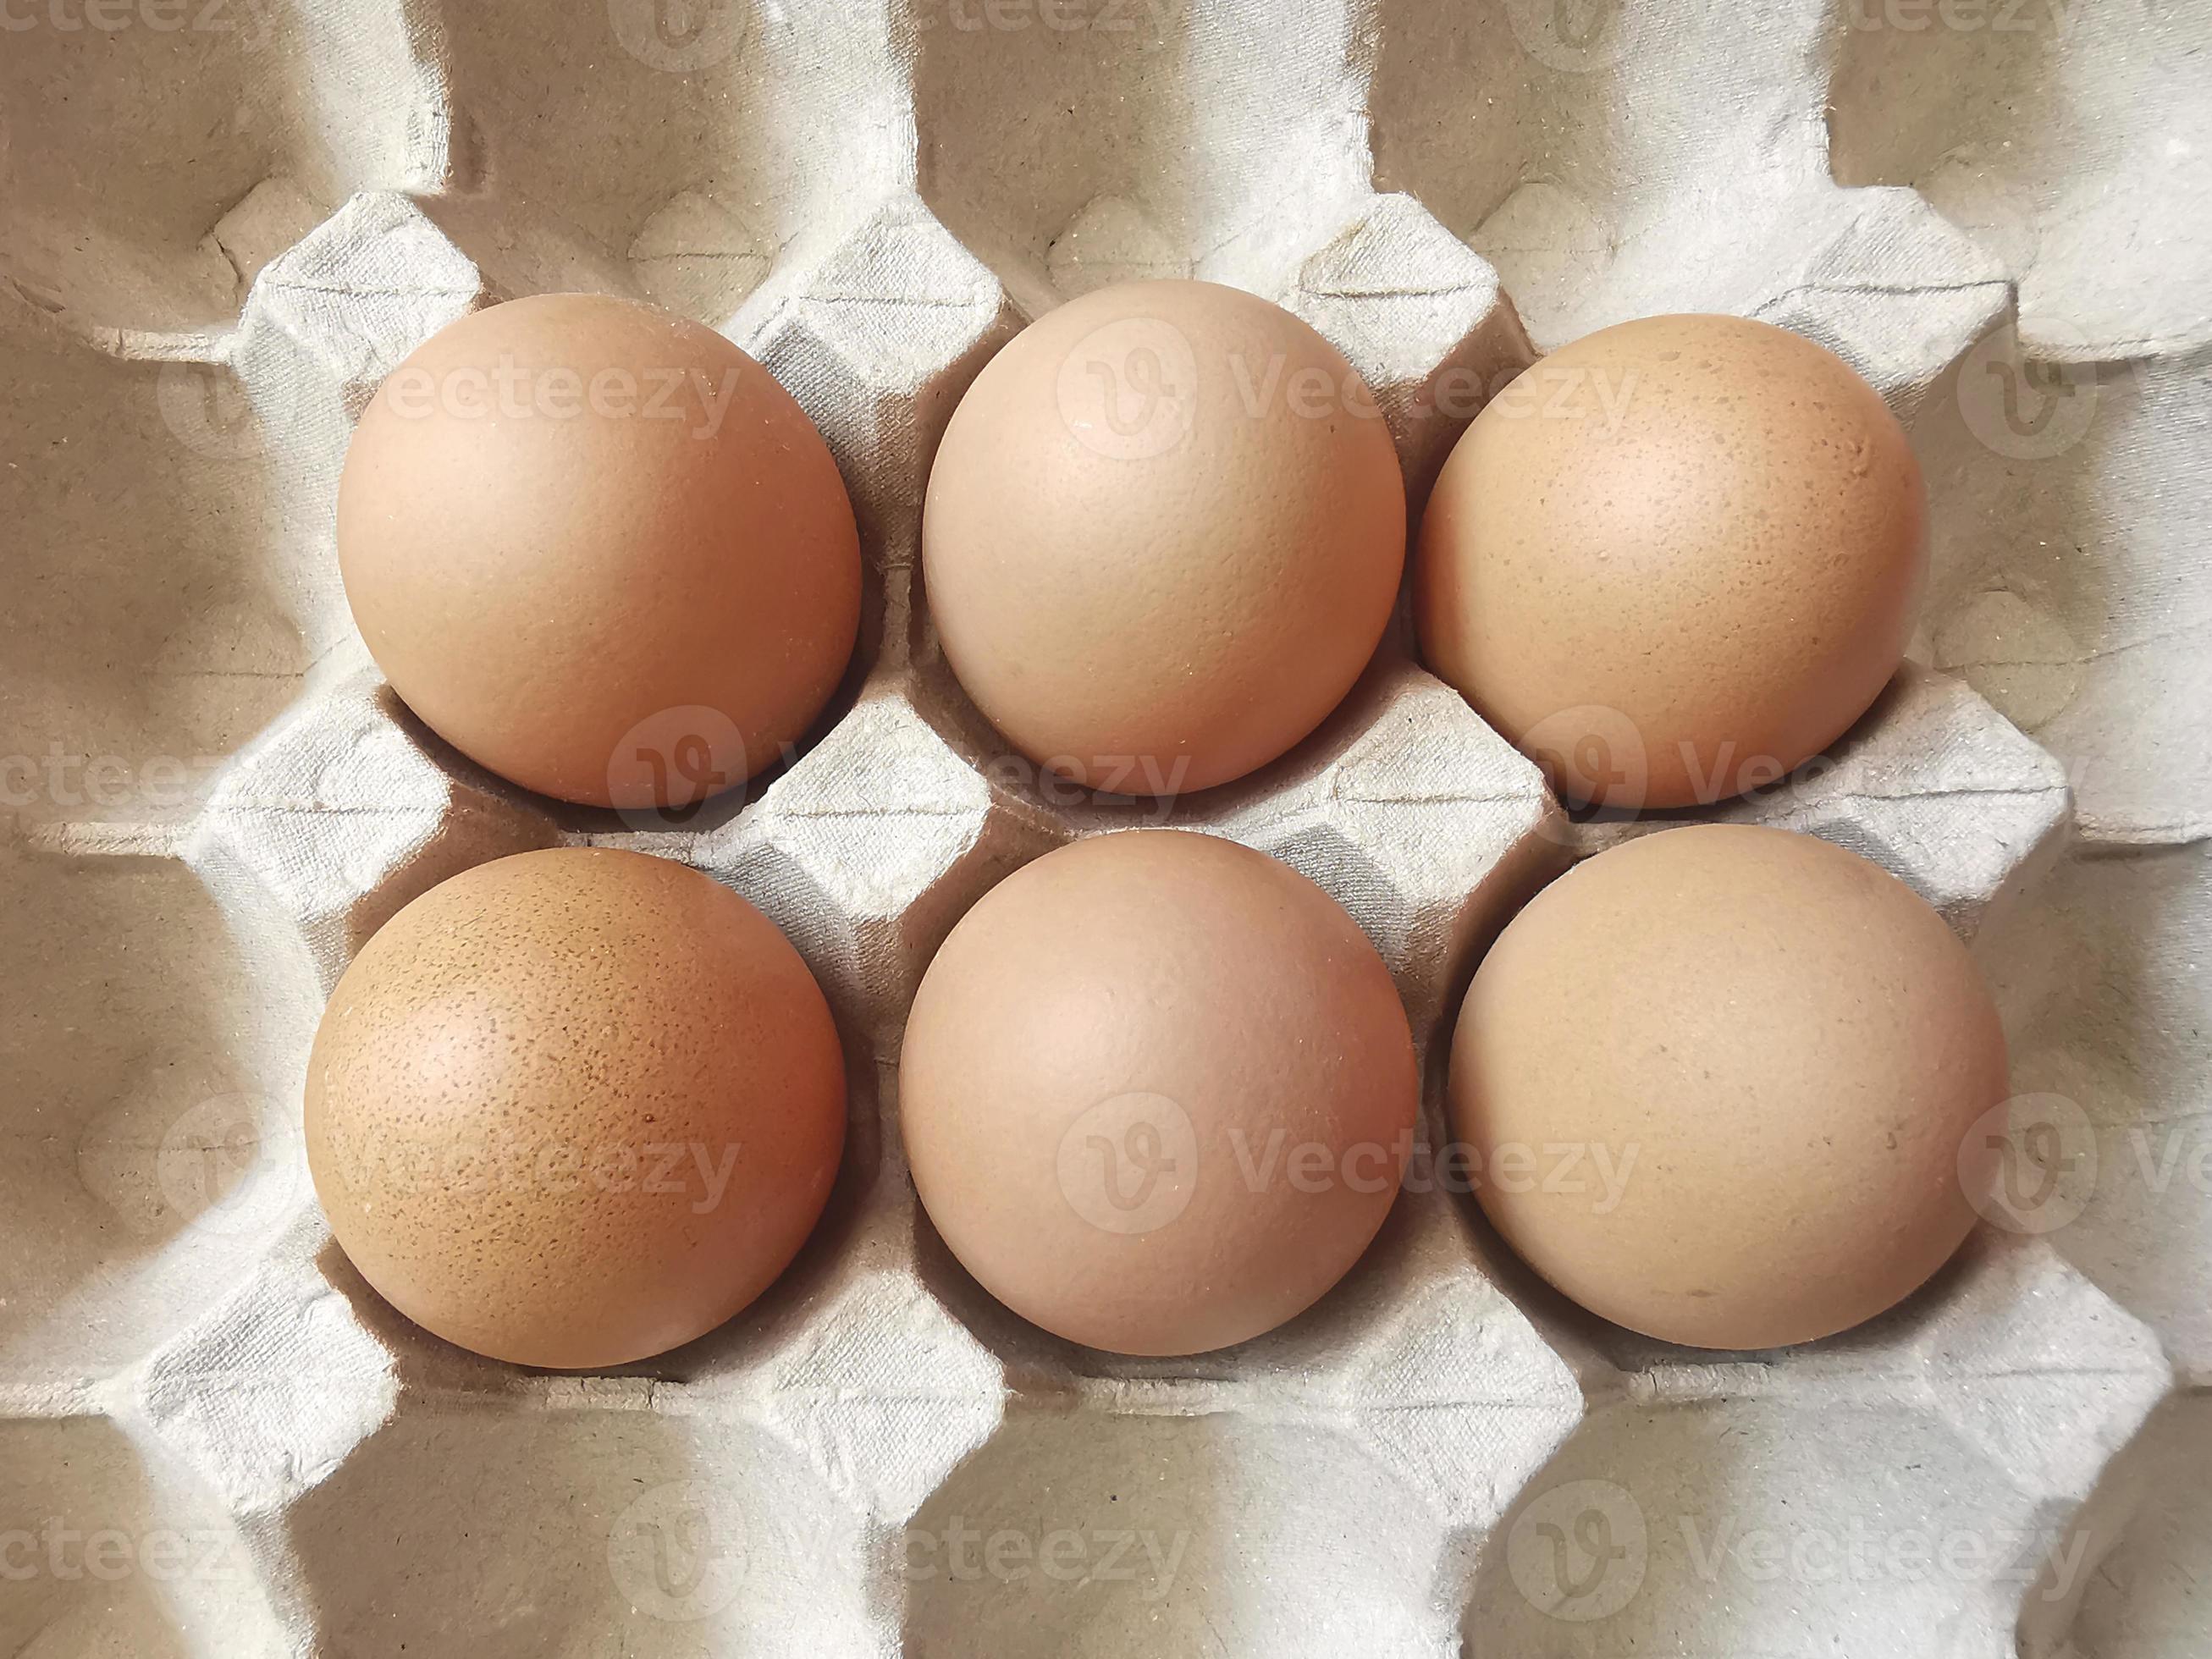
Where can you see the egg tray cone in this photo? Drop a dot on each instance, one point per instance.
(219, 230)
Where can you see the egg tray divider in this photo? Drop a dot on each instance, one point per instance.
(1354, 1482)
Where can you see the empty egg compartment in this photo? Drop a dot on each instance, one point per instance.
(149, 1073)
(110, 1552)
(2148, 1530)
(156, 1131)
(578, 1527)
(876, 1458)
(1143, 1532)
(159, 157)
(1728, 1494)
(142, 518)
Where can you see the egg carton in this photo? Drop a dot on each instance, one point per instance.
(225, 221)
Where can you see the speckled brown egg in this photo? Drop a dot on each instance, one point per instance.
(1718, 1085)
(1157, 1092)
(1675, 559)
(575, 1108)
(1163, 536)
(600, 551)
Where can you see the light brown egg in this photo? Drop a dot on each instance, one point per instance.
(1674, 560)
(1157, 1092)
(1163, 536)
(1718, 1085)
(575, 1108)
(600, 551)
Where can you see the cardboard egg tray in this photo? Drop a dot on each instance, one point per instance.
(222, 221)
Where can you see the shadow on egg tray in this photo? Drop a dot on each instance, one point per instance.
(1834, 755)
(1632, 1352)
(700, 817)
(1337, 1318)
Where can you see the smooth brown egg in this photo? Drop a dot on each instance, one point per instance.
(1674, 560)
(1157, 1092)
(575, 1108)
(600, 551)
(1163, 536)
(1718, 1085)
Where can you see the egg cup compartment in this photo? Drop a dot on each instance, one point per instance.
(2149, 1526)
(576, 1526)
(2107, 946)
(204, 288)
(1684, 1497)
(187, 594)
(152, 1119)
(160, 156)
(1159, 1530)
(111, 1551)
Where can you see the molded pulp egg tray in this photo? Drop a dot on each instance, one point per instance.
(222, 222)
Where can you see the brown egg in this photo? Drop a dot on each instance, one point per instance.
(575, 1108)
(1157, 1092)
(1163, 536)
(600, 551)
(1675, 559)
(1717, 1084)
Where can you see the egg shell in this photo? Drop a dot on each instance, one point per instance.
(598, 550)
(1163, 536)
(574, 1108)
(1766, 1058)
(1675, 559)
(1157, 1092)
